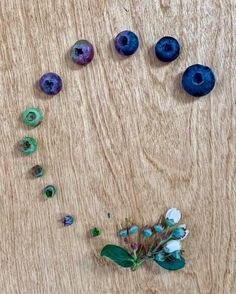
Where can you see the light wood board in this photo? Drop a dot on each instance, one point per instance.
(122, 137)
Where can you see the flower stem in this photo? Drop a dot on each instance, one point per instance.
(160, 244)
(137, 264)
(135, 255)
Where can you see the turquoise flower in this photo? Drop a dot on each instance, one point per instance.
(160, 256)
(158, 228)
(171, 246)
(133, 230)
(178, 233)
(173, 216)
(123, 233)
(147, 233)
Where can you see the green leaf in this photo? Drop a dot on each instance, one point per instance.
(172, 265)
(118, 255)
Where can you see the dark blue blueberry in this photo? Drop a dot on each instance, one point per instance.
(198, 80)
(126, 43)
(82, 52)
(68, 220)
(167, 49)
(50, 83)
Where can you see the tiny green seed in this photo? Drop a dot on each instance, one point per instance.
(32, 117)
(27, 145)
(49, 191)
(37, 171)
(95, 232)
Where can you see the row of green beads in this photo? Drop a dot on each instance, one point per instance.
(32, 117)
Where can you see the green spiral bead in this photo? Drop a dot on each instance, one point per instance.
(95, 232)
(37, 171)
(32, 117)
(27, 145)
(49, 191)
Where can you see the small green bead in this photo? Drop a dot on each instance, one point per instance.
(37, 171)
(27, 145)
(32, 117)
(49, 191)
(95, 232)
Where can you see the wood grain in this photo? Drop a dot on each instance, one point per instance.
(122, 137)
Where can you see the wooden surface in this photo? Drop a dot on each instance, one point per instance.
(122, 137)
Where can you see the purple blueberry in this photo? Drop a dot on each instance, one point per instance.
(82, 52)
(68, 220)
(167, 49)
(126, 43)
(50, 83)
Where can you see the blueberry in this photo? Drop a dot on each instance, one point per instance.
(167, 49)
(198, 80)
(82, 52)
(50, 83)
(126, 43)
(68, 220)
